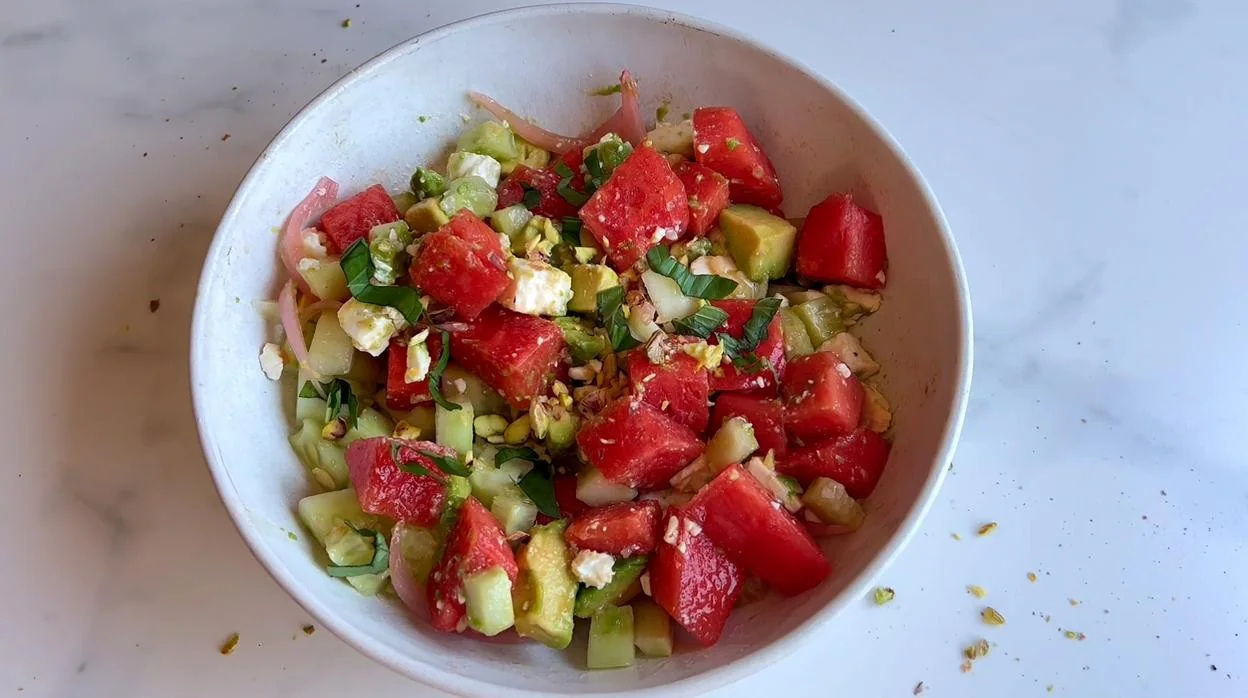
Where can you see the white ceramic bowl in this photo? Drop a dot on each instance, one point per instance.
(542, 61)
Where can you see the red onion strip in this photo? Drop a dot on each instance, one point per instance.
(322, 196)
(411, 592)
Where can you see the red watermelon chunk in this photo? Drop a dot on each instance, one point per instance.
(679, 387)
(642, 203)
(692, 580)
(722, 142)
(822, 397)
(770, 351)
(401, 395)
(514, 354)
(623, 530)
(632, 443)
(386, 490)
(748, 523)
(708, 195)
(351, 220)
(476, 543)
(463, 265)
(765, 414)
(546, 182)
(843, 243)
(856, 460)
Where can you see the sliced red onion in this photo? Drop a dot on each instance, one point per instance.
(315, 309)
(538, 136)
(631, 127)
(411, 591)
(323, 195)
(289, 314)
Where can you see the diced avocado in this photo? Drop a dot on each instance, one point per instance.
(596, 490)
(611, 638)
(585, 255)
(388, 244)
(672, 138)
(330, 351)
(453, 429)
(345, 546)
(822, 318)
(538, 235)
(487, 597)
(419, 547)
(626, 572)
(325, 278)
(471, 193)
(761, 244)
(404, 200)
(426, 216)
(854, 302)
(370, 424)
(795, 295)
(561, 429)
(587, 281)
(459, 385)
(321, 512)
(427, 184)
(514, 510)
(652, 629)
(318, 454)
(530, 156)
(583, 343)
(545, 590)
(796, 339)
(830, 502)
(732, 443)
(491, 138)
(510, 220)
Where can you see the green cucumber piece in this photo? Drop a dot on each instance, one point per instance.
(514, 510)
(472, 193)
(487, 597)
(796, 338)
(317, 453)
(345, 546)
(596, 490)
(822, 318)
(321, 512)
(510, 220)
(652, 629)
(453, 429)
(625, 573)
(331, 351)
(491, 138)
(732, 443)
(459, 385)
(419, 547)
(611, 638)
(371, 423)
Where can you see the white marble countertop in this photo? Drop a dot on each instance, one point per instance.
(1089, 155)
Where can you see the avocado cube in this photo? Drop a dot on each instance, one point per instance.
(561, 432)
(625, 575)
(491, 138)
(545, 590)
(583, 343)
(611, 638)
(426, 216)
(510, 220)
(530, 156)
(587, 281)
(761, 244)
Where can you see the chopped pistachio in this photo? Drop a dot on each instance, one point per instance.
(488, 425)
(987, 528)
(517, 432)
(1072, 635)
(1031, 576)
(309, 629)
(403, 430)
(334, 430)
(883, 595)
(976, 591)
(346, 24)
(979, 650)
(955, 536)
(992, 616)
(230, 643)
(1073, 602)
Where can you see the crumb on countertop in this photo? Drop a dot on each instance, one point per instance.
(309, 629)
(918, 688)
(883, 595)
(230, 643)
(1031, 576)
(992, 616)
(987, 528)
(153, 305)
(976, 590)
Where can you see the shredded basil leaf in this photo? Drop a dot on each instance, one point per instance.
(570, 231)
(706, 286)
(537, 484)
(450, 465)
(532, 197)
(515, 453)
(338, 394)
(565, 189)
(702, 323)
(357, 266)
(753, 333)
(447, 464)
(435, 375)
(611, 315)
(380, 562)
(309, 390)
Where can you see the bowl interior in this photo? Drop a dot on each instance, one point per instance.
(368, 129)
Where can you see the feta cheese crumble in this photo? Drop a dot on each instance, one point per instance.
(462, 164)
(369, 326)
(271, 361)
(593, 569)
(536, 288)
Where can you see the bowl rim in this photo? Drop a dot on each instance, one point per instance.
(444, 679)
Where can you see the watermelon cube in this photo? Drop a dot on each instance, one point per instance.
(642, 203)
(842, 242)
(633, 444)
(546, 182)
(822, 398)
(764, 413)
(386, 490)
(708, 195)
(350, 220)
(623, 530)
(476, 543)
(770, 352)
(693, 580)
(679, 387)
(463, 265)
(856, 460)
(401, 395)
(515, 354)
(747, 522)
(722, 142)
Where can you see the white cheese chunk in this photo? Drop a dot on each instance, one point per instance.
(536, 288)
(593, 569)
(271, 361)
(462, 164)
(369, 326)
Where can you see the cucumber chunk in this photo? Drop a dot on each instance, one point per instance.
(331, 351)
(596, 490)
(459, 385)
(796, 338)
(830, 502)
(732, 443)
(321, 512)
(822, 318)
(345, 546)
(514, 510)
(624, 582)
(487, 596)
(453, 429)
(652, 629)
(317, 453)
(611, 638)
